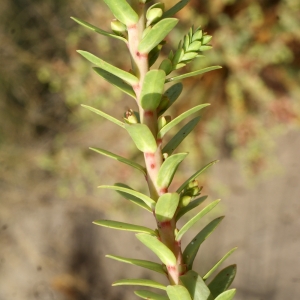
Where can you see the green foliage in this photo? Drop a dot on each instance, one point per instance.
(147, 129)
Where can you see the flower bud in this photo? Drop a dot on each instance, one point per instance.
(163, 121)
(118, 27)
(153, 14)
(130, 117)
(184, 200)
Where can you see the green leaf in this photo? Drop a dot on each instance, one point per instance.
(104, 115)
(152, 89)
(120, 158)
(178, 292)
(122, 10)
(202, 71)
(123, 226)
(180, 136)
(162, 251)
(195, 219)
(228, 295)
(175, 9)
(151, 203)
(168, 168)
(150, 295)
(157, 33)
(143, 282)
(182, 211)
(116, 81)
(98, 30)
(218, 263)
(195, 285)
(178, 119)
(172, 94)
(140, 263)
(166, 206)
(222, 281)
(132, 198)
(192, 248)
(129, 78)
(142, 137)
(194, 176)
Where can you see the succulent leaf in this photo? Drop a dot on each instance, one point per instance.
(150, 295)
(178, 292)
(166, 206)
(227, 295)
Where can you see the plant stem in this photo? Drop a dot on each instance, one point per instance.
(153, 161)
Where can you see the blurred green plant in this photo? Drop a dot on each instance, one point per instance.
(143, 29)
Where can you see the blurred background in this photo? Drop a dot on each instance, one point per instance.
(49, 178)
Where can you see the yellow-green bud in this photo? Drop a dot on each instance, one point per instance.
(153, 14)
(184, 200)
(118, 27)
(130, 117)
(163, 121)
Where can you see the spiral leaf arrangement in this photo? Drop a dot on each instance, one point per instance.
(143, 28)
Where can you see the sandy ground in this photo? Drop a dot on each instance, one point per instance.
(51, 251)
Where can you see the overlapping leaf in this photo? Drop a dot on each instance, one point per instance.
(172, 94)
(150, 295)
(178, 292)
(166, 206)
(227, 295)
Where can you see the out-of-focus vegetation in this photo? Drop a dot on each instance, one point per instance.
(43, 81)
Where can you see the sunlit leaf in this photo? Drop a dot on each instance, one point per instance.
(166, 206)
(127, 77)
(202, 71)
(142, 137)
(218, 263)
(116, 81)
(151, 203)
(143, 282)
(227, 295)
(120, 158)
(195, 285)
(222, 281)
(168, 168)
(161, 250)
(140, 263)
(98, 30)
(122, 10)
(157, 33)
(152, 90)
(183, 210)
(123, 226)
(104, 115)
(150, 295)
(181, 117)
(175, 9)
(180, 136)
(194, 176)
(178, 292)
(192, 248)
(195, 219)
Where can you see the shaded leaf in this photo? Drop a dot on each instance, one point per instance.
(228, 295)
(222, 281)
(128, 77)
(157, 33)
(140, 263)
(142, 137)
(152, 90)
(166, 206)
(172, 93)
(182, 211)
(194, 176)
(202, 71)
(168, 168)
(120, 158)
(143, 282)
(218, 263)
(116, 81)
(150, 295)
(181, 117)
(151, 203)
(104, 115)
(123, 226)
(98, 30)
(180, 136)
(192, 248)
(195, 219)
(161, 250)
(175, 9)
(122, 10)
(132, 198)
(178, 292)
(195, 285)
